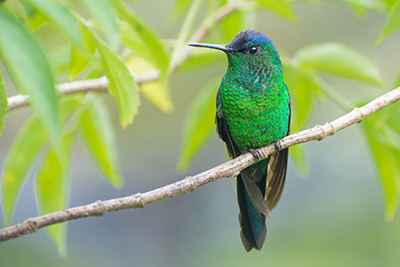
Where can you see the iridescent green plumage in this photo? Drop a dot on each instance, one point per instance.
(253, 110)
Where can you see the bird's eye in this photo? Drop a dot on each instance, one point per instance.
(253, 50)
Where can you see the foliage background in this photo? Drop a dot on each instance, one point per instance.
(334, 216)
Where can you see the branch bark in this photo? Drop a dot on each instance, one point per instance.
(228, 169)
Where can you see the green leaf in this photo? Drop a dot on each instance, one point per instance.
(104, 15)
(52, 189)
(156, 92)
(30, 71)
(95, 69)
(60, 16)
(139, 37)
(35, 20)
(387, 158)
(120, 84)
(199, 58)
(97, 133)
(16, 8)
(397, 82)
(59, 59)
(389, 3)
(303, 88)
(3, 103)
(282, 8)
(180, 7)
(25, 148)
(183, 35)
(23, 153)
(79, 59)
(199, 123)
(298, 154)
(340, 60)
(392, 24)
(392, 118)
(368, 4)
(361, 11)
(232, 25)
(159, 94)
(213, 5)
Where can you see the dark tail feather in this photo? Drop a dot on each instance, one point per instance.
(253, 228)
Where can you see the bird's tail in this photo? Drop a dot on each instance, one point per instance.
(252, 222)
(259, 188)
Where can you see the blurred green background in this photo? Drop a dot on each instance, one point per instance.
(333, 217)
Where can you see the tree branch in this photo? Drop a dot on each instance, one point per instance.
(228, 169)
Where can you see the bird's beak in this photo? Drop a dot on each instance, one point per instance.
(214, 46)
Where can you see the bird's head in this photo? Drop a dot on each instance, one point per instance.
(249, 49)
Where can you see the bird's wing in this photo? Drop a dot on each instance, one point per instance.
(223, 130)
(253, 190)
(276, 174)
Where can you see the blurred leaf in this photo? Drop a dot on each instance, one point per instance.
(389, 3)
(159, 94)
(16, 8)
(180, 7)
(361, 11)
(214, 5)
(52, 188)
(298, 154)
(341, 61)
(397, 82)
(138, 36)
(25, 148)
(60, 16)
(35, 20)
(199, 58)
(232, 25)
(387, 158)
(97, 133)
(392, 24)
(367, 4)
(183, 35)
(156, 92)
(30, 71)
(59, 59)
(303, 87)
(282, 8)
(104, 15)
(22, 154)
(120, 84)
(95, 69)
(392, 118)
(3, 103)
(249, 19)
(199, 123)
(79, 59)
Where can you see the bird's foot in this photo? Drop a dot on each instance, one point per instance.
(278, 144)
(255, 153)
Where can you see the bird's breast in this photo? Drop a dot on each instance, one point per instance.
(255, 116)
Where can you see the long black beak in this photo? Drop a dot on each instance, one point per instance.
(214, 46)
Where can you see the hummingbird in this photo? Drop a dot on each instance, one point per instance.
(253, 110)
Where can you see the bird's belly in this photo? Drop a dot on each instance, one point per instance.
(256, 128)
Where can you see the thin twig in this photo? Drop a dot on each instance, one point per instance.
(228, 169)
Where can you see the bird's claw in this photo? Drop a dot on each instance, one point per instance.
(278, 144)
(255, 153)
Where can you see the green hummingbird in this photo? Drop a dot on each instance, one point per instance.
(253, 110)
